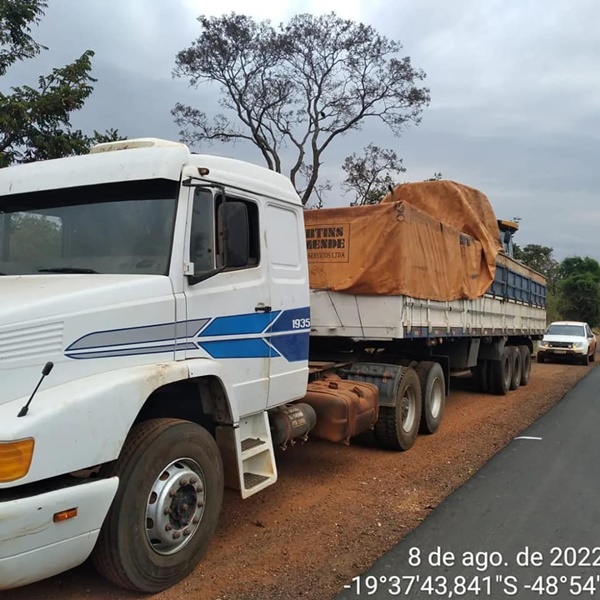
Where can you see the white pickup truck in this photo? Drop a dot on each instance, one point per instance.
(155, 319)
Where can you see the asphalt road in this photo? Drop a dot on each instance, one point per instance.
(529, 517)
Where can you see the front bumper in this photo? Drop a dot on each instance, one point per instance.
(562, 352)
(34, 547)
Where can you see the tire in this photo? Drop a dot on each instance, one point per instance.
(516, 368)
(398, 426)
(501, 373)
(159, 461)
(540, 358)
(593, 356)
(525, 364)
(433, 395)
(585, 360)
(481, 377)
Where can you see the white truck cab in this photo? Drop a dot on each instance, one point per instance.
(170, 293)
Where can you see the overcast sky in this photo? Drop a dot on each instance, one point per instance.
(515, 92)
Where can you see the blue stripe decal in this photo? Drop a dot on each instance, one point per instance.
(249, 348)
(130, 351)
(239, 324)
(253, 335)
(292, 346)
(291, 320)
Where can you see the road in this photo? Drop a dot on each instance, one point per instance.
(534, 509)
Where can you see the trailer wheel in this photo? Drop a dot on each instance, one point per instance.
(481, 376)
(516, 367)
(433, 395)
(398, 426)
(501, 373)
(166, 507)
(525, 364)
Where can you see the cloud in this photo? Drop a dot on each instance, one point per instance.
(515, 105)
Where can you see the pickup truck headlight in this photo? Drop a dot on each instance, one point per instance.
(578, 345)
(15, 459)
(543, 344)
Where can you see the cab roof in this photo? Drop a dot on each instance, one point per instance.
(142, 159)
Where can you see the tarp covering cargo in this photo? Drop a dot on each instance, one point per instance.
(434, 240)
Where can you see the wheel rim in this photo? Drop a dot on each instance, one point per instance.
(437, 398)
(175, 506)
(408, 411)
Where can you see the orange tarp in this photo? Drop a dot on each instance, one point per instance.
(433, 240)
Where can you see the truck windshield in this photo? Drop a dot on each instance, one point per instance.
(123, 228)
(574, 330)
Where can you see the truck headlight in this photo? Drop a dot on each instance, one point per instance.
(543, 344)
(15, 459)
(578, 345)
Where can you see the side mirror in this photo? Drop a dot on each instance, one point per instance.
(233, 218)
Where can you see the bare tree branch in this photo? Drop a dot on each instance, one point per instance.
(297, 87)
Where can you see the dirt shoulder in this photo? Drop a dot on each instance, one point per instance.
(336, 509)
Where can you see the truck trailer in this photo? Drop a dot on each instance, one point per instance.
(166, 329)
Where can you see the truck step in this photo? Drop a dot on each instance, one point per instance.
(250, 443)
(251, 480)
(248, 455)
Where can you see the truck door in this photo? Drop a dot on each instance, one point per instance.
(229, 310)
(288, 275)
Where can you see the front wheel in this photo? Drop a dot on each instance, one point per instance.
(166, 507)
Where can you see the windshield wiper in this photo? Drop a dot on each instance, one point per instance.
(67, 270)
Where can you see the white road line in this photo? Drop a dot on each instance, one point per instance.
(527, 437)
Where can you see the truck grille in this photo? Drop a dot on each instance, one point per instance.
(30, 342)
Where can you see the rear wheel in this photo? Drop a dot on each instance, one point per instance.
(525, 364)
(433, 395)
(166, 507)
(398, 426)
(501, 373)
(516, 367)
(481, 376)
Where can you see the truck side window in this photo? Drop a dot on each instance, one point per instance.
(202, 240)
(253, 234)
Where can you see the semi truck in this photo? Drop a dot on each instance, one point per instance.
(161, 338)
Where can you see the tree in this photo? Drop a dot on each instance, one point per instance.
(297, 87)
(35, 122)
(369, 176)
(540, 259)
(437, 176)
(577, 265)
(579, 289)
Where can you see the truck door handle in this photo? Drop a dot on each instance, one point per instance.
(262, 308)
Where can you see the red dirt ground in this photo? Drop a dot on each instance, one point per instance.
(336, 509)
